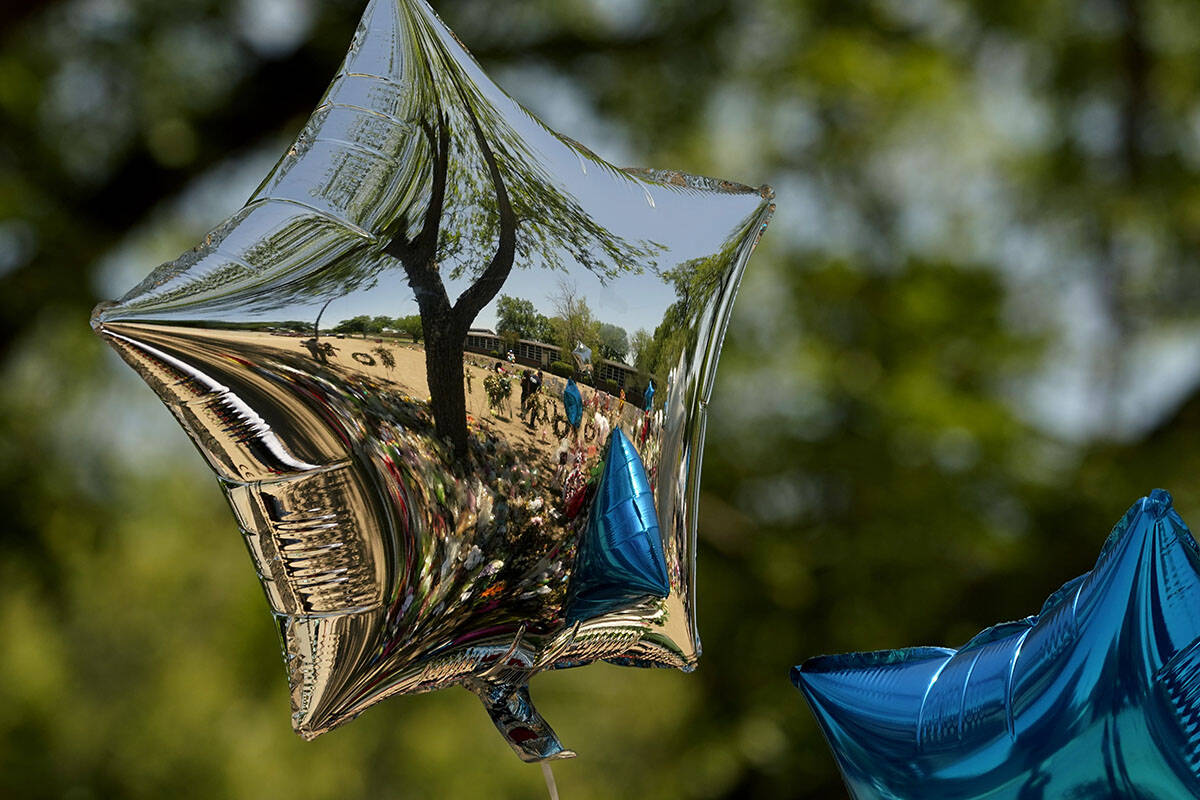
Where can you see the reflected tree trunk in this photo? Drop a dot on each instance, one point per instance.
(445, 325)
(317, 324)
(444, 373)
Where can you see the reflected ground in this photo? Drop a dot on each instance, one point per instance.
(368, 531)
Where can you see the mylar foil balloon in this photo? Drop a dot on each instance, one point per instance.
(573, 403)
(620, 555)
(333, 350)
(1096, 697)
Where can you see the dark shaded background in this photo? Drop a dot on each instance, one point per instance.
(967, 344)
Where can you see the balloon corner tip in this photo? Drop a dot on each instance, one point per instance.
(100, 314)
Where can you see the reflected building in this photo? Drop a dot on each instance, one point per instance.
(532, 353)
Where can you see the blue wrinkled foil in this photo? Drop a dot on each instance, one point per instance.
(573, 403)
(1098, 696)
(620, 553)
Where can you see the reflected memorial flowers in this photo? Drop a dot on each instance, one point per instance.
(327, 349)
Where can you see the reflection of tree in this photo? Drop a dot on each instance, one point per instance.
(444, 325)
(316, 328)
(410, 326)
(696, 284)
(490, 206)
(573, 323)
(614, 342)
(517, 317)
(453, 193)
(360, 325)
(640, 345)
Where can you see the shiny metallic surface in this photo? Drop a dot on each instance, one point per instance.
(1096, 697)
(620, 553)
(412, 526)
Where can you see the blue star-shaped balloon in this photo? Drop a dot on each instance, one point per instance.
(1096, 697)
(620, 553)
(573, 403)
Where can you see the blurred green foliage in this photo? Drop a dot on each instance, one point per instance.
(968, 342)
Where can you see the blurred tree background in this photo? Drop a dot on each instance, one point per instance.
(968, 342)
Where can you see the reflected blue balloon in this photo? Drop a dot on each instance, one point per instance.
(650, 396)
(620, 553)
(1096, 697)
(573, 403)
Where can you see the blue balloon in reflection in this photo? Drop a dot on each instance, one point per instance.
(573, 403)
(1096, 697)
(650, 396)
(620, 553)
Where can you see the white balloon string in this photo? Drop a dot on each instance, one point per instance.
(551, 786)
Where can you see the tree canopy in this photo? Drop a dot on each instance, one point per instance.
(516, 316)
(967, 344)
(614, 341)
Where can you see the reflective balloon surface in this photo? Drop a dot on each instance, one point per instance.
(369, 354)
(1096, 697)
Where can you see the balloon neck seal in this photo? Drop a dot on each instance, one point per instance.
(512, 712)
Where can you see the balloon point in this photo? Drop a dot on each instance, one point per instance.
(99, 313)
(1160, 498)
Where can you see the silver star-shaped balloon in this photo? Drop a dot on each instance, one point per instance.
(332, 348)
